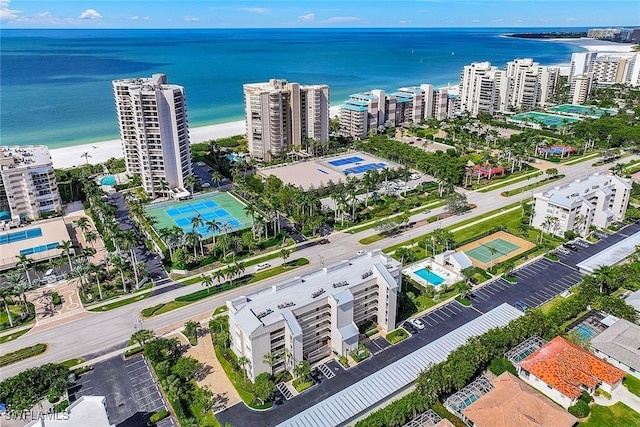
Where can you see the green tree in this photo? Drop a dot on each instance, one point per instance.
(207, 281)
(457, 203)
(284, 254)
(302, 370)
(191, 329)
(186, 368)
(263, 388)
(143, 336)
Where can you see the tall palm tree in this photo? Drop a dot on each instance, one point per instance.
(196, 223)
(83, 223)
(207, 281)
(193, 238)
(213, 227)
(66, 246)
(25, 263)
(19, 286)
(216, 178)
(96, 269)
(6, 291)
(219, 275)
(604, 277)
(117, 260)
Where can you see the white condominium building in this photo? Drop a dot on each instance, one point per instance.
(366, 111)
(522, 85)
(596, 200)
(314, 316)
(581, 63)
(580, 88)
(607, 68)
(480, 88)
(281, 115)
(28, 187)
(154, 130)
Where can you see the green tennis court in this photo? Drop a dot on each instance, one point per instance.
(220, 207)
(582, 110)
(549, 120)
(483, 253)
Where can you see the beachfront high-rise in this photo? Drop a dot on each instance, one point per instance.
(522, 85)
(282, 115)
(607, 68)
(28, 187)
(154, 130)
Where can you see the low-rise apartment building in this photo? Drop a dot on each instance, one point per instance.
(28, 187)
(596, 200)
(314, 316)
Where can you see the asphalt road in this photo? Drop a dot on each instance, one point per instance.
(99, 333)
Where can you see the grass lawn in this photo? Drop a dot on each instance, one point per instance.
(530, 186)
(72, 362)
(508, 219)
(512, 180)
(371, 239)
(546, 307)
(618, 415)
(10, 337)
(397, 335)
(274, 271)
(633, 384)
(239, 382)
(121, 303)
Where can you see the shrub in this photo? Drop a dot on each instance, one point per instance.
(580, 409)
(570, 235)
(397, 335)
(160, 415)
(344, 362)
(500, 365)
(60, 407)
(55, 298)
(133, 351)
(586, 397)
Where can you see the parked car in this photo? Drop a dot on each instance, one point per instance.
(361, 252)
(409, 327)
(418, 323)
(262, 266)
(323, 241)
(570, 246)
(520, 305)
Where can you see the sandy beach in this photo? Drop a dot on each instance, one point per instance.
(102, 151)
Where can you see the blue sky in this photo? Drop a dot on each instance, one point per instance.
(316, 13)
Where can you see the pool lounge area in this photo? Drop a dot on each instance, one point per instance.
(428, 272)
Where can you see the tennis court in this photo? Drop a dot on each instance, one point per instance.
(220, 207)
(495, 248)
(364, 168)
(345, 161)
(582, 110)
(549, 120)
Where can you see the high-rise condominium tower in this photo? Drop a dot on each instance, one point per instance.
(282, 115)
(154, 130)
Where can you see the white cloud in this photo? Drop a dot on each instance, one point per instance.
(405, 22)
(571, 19)
(90, 14)
(135, 18)
(308, 17)
(7, 14)
(191, 18)
(342, 19)
(260, 10)
(475, 20)
(497, 21)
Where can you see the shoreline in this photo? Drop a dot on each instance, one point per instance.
(100, 152)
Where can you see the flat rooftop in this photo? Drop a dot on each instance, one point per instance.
(38, 241)
(24, 156)
(613, 255)
(576, 188)
(269, 304)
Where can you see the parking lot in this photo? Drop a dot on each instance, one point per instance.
(131, 392)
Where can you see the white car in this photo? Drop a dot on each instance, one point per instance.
(417, 323)
(262, 266)
(361, 252)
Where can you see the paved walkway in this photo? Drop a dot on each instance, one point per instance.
(621, 394)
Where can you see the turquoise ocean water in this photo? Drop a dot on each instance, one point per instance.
(55, 85)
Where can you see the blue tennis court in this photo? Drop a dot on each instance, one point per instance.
(18, 236)
(364, 168)
(345, 161)
(219, 207)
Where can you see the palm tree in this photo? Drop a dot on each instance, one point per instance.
(284, 254)
(605, 278)
(216, 178)
(80, 269)
(492, 251)
(66, 247)
(269, 359)
(90, 236)
(129, 243)
(143, 336)
(164, 187)
(25, 263)
(207, 281)
(190, 181)
(7, 291)
(213, 227)
(196, 223)
(20, 287)
(302, 370)
(243, 361)
(117, 260)
(219, 276)
(86, 157)
(83, 223)
(96, 269)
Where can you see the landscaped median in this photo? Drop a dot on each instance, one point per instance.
(531, 186)
(121, 302)
(22, 354)
(184, 300)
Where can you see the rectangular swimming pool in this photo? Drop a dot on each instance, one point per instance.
(586, 332)
(429, 276)
(18, 236)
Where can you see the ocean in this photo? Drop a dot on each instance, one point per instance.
(55, 85)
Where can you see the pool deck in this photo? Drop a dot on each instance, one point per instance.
(450, 277)
(53, 230)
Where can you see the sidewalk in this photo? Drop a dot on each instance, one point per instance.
(620, 394)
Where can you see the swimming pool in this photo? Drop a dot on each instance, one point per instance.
(429, 276)
(586, 332)
(108, 180)
(18, 236)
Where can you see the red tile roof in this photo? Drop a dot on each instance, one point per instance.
(565, 366)
(512, 403)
